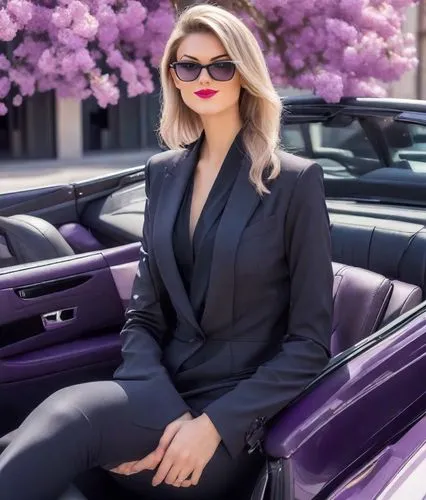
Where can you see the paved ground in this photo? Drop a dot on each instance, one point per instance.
(17, 175)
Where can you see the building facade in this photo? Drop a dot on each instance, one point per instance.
(49, 127)
(421, 74)
(413, 83)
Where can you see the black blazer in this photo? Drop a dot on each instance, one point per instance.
(266, 326)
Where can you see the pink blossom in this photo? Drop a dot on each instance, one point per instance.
(4, 63)
(84, 61)
(333, 48)
(329, 85)
(24, 80)
(3, 109)
(70, 39)
(21, 10)
(17, 100)
(86, 27)
(61, 18)
(47, 62)
(4, 87)
(104, 90)
(8, 28)
(115, 59)
(77, 9)
(339, 47)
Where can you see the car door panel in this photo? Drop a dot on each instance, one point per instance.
(88, 297)
(359, 407)
(60, 357)
(36, 361)
(27, 274)
(64, 315)
(55, 204)
(123, 262)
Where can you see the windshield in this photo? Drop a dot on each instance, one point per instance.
(363, 157)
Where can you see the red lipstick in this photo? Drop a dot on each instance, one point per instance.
(206, 93)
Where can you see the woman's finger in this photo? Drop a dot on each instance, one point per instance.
(124, 468)
(197, 474)
(173, 475)
(182, 478)
(150, 462)
(169, 433)
(163, 469)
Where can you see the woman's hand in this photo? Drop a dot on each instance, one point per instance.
(189, 452)
(152, 460)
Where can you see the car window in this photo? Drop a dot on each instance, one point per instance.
(339, 149)
(406, 142)
(372, 156)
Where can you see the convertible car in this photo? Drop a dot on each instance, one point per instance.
(358, 431)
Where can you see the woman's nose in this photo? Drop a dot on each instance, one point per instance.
(204, 76)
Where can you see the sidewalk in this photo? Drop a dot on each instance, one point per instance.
(16, 175)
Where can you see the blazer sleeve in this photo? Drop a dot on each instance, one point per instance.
(305, 345)
(145, 332)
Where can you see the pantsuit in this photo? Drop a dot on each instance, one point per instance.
(233, 323)
(88, 425)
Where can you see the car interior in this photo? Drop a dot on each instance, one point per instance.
(68, 251)
(49, 329)
(56, 330)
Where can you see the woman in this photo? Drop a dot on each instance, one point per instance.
(231, 310)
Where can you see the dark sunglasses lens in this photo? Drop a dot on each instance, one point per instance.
(187, 71)
(222, 71)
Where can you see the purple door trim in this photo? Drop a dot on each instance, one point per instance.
(352, 410)
(396, 467)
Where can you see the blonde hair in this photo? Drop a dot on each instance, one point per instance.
(260, 104)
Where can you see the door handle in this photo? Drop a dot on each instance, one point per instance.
(58, 318)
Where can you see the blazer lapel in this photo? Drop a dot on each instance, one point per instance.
(171, 194)
(243, 200)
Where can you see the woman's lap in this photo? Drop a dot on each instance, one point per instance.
(222, 478)
(106, 423)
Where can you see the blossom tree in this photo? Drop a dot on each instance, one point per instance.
(81, 48)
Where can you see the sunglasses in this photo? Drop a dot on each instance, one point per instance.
(221, 71)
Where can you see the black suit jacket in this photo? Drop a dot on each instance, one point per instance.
(266, 326)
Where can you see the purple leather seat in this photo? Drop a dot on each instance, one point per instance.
(364, 301)
(79, 238)
(404, 297)
(25, 238)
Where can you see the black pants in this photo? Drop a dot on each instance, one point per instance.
(89, 427)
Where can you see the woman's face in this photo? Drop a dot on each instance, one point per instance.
(205, 48)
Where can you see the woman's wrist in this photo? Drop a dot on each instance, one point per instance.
(210, 425)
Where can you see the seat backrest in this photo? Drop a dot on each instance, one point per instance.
(404, 297)
(30, 239)
(360, 301)
(365, 301)
(392, 248)
(6, 255)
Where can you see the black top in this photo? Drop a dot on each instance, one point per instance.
(265, 331)
(193, 260)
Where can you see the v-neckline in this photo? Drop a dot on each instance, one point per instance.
(205, 206)
(191, 238)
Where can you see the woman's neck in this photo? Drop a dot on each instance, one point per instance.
(219, 136)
